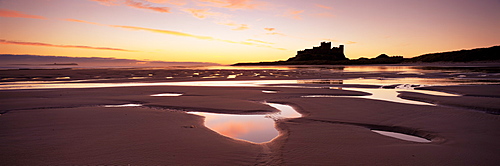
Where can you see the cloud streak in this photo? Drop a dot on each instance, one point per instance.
(140, 5)
(323, 6)
(8, 42)
(82, 21)
(237, 27)
(176, 33)
(167, 32)
(136, 4)
(272, 31)
(233, 4)
(258, 41)
(295, 14)
(13, 13)
(341, 42)
(202, 13)
(173, 2)
(324, 14)
(107, 2)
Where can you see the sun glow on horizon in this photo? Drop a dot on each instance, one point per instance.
(231, 31)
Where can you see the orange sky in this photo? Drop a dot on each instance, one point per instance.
(230, 31)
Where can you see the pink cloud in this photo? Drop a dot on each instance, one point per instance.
(173, 2)
(140, 5)
(275, 33)
(339, 41)
(269, 29)
(237, 27)
(331, 40)
(81, 21)
(176, 33)
(323, 6)
(295, 14)
(233, 4)
(107, 2)
(272, 31)
(251, 44)
(324, 14)
(60, 46)
(134, 4)
(168, 32)
(202, 13)
(13, 13)
(259, 41)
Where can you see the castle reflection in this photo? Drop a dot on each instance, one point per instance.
(253, 128)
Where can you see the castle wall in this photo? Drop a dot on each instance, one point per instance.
(322, 52)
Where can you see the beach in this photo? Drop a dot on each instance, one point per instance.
(109, 116)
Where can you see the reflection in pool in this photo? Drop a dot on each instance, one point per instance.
(377, 94)
(167, 95)
(402, 136)
(286, 111)
(124, 105)
(253, 128)
(388, 95)
(269, 91)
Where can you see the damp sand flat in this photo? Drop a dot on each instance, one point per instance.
(72, 127)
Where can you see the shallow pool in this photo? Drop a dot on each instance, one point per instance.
(252, 128)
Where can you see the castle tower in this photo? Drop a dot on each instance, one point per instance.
(341, 48)
(326, 45)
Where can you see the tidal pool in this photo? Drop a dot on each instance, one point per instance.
(252, 128)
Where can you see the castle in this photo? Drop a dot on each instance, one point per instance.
(323, 52)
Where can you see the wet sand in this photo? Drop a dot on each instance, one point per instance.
(72, 126)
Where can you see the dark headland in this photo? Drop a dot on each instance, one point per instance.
(325, 54)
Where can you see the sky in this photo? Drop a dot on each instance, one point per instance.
(232, 31)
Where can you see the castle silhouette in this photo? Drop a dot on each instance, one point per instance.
(323, 52)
